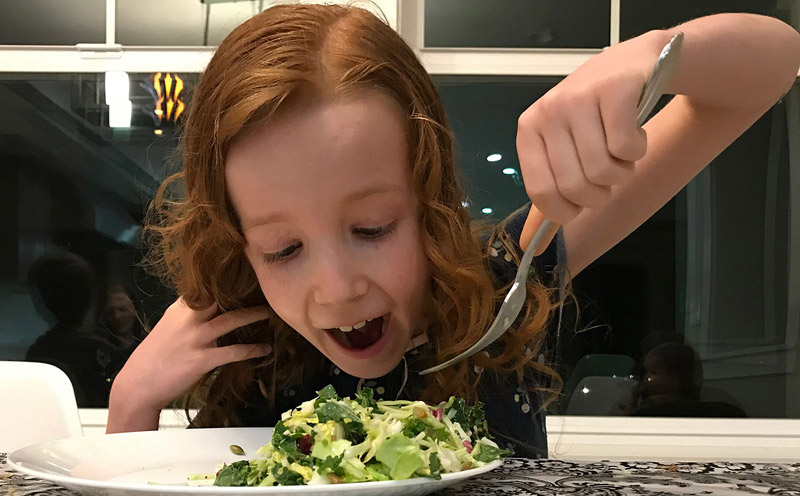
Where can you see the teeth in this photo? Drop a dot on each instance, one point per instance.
(355, 326)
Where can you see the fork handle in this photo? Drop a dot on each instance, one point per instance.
(532, 223)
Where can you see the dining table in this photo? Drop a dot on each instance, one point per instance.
(522, 476)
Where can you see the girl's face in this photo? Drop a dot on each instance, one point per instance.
(332, 224)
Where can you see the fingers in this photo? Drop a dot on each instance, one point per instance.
(180, 309)
(540, 183)
(205, 314)
(569, 173)
(228, 321)
(575, 144)
(237, 353)
(599, 166)
(625, 139)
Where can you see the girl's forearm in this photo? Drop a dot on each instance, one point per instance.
(734, 61)
(125, 414)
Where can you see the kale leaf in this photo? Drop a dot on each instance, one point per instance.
(436, 466)
(470, 417)
(332, 464)
(285, 441)
(234, 474)
(488, 453)
(285, 477)
(366, 398)
(333, 410)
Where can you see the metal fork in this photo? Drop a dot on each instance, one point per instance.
(515, 299)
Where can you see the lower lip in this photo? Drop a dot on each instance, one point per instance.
(371, 350)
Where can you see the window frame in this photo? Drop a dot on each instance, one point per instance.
(570, 437)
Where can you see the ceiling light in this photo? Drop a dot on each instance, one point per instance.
(118, 98)
(158, 132)
(494, 157)
(486, 210)
(509, 171)
(119, 114)
(117, 87)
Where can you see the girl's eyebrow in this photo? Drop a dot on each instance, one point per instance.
(376, 189)
(267, 219)
(354, 197)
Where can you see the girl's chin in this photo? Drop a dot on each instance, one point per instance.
(373, 370)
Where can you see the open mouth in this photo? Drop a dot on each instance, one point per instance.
(362, 335)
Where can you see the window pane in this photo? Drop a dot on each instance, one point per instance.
(695, 301)
(640, 16)
(196, 23)
(179, 22)
(45, 22)
(690, 312)
(517, 23)
(483, 113)
(74, 194)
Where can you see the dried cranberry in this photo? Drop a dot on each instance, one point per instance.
(304, 444)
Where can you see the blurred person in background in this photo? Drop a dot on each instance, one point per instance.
(123, 323)
(65, 296)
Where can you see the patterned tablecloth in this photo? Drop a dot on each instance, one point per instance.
(520, 476)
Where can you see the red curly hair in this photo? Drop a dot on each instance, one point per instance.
(197, 243)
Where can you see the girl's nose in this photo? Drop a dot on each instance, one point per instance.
(338, 282)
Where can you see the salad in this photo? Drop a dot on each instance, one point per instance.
(330, 440)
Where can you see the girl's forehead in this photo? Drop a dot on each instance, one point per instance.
(317, 158)
(312, 109)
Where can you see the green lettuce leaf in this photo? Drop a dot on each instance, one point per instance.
(401, 455)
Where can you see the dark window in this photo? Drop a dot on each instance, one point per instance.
(180, 22)
(517, 23)
(48, 22)
(694, 302)
(74, 194)
(705, 283)
(640, 16)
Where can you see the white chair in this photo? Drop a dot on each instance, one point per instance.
(37, 404)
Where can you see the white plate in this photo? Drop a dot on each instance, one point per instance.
(128, 464)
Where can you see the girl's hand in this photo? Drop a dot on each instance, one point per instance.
(581, 138)
(175, 355)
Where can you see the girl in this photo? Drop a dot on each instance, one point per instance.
(319, 235)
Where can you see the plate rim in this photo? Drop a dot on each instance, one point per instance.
(69, 481)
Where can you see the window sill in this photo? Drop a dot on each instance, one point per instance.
(621, 438)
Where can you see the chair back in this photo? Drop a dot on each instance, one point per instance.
(597, 364)
(37, 404)
(596, 395)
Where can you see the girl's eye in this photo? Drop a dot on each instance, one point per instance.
(279, 256)
(375, 232)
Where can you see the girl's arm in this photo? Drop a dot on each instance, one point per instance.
(177, 353)
(590, 168)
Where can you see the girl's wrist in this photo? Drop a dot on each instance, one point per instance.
(128, 412)
(126, 416)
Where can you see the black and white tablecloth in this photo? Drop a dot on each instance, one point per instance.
(519, 476)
